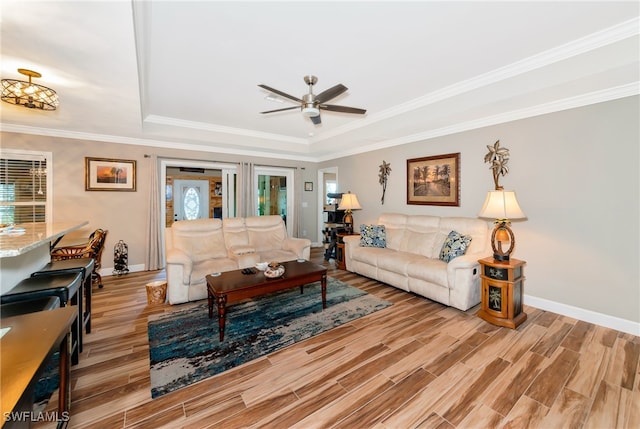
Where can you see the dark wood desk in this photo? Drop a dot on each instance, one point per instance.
(24, 352)
(232, 286)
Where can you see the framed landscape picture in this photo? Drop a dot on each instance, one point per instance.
(434, 180)
(102, 174)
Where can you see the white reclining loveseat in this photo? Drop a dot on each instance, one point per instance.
(195, 248)
(407, 254)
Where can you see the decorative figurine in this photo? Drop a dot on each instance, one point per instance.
(120, 258)
(385, 170)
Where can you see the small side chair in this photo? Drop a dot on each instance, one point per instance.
(92, 249)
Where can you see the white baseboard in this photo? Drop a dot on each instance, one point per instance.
(108, 271)
(601, 319)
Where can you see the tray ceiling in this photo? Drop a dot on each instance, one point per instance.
(185, 74)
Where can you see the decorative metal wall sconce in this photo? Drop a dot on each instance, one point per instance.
(385, 170)
(498, 157)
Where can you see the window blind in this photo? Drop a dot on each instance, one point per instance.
(23, 187)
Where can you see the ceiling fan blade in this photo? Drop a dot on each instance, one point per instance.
(283, 94)
(344, 109)
(331, 93)
(281, 110)
(316, 120)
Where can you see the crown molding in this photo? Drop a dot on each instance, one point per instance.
(50, 132)
(571, 49)
(631, 89)
(601, 96)
(202, 126)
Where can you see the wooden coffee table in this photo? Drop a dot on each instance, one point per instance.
(233, 286)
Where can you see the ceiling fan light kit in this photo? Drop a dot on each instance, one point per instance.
(310, 111)
(311, 104)
(29, 94)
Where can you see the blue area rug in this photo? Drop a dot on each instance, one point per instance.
(184, 345)
(48, 383)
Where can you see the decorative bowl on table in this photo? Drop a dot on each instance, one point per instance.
(274, 270)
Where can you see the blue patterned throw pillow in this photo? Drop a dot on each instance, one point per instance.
(454, 245)
(373, 236)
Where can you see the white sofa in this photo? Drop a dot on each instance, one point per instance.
(195, 248)
(410, 258)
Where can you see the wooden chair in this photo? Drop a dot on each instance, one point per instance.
(92, 249)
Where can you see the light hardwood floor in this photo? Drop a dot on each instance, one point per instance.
(416, 364)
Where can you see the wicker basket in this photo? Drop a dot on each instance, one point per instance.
(157, 292)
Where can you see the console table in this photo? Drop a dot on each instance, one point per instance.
(24, 351)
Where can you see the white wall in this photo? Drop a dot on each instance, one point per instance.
(576, 174)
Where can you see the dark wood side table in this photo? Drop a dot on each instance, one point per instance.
(502, 291)
(340, 262)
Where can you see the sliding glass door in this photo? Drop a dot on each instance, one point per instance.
(274, 193)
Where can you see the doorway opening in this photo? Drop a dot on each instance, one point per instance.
(197, 190)
(328, 183)
(275, 194)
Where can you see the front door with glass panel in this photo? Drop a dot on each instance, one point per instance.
(191, 199)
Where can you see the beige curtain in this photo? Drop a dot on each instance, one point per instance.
(155, 249)
(246, 190)
(297, 209)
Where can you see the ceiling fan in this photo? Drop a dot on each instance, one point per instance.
(311, 104)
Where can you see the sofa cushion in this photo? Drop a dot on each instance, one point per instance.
(242, 250)
(397, 262)
(235, 232)
(420, 243)
(201, 239)
(419, 234)
(369, 255)
(429, 270)
(438, 242)
(373, 236)
(395, 226)
(277, 255)
(203, 268)
(455, 245)
(266, 232)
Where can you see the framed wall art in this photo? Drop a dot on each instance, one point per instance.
(434, 180)
(103, 174)
(308, 186)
